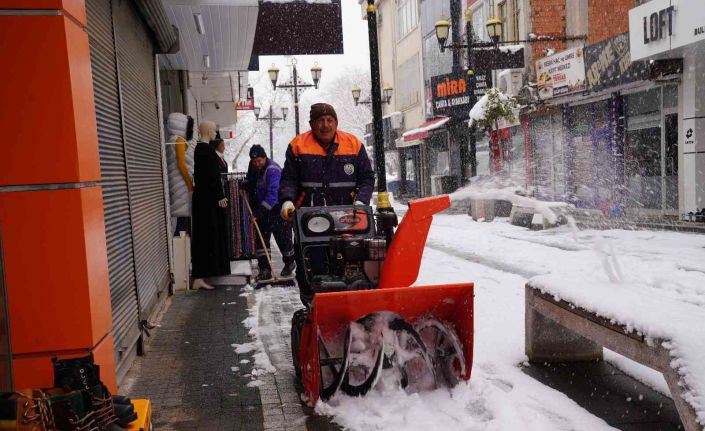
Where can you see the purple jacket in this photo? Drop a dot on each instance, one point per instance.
(263, 185)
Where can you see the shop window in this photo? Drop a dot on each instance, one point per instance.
(482, 154)
(670, 96)
(642, 168)
(502, 15)
(408, 83)
(407, 17)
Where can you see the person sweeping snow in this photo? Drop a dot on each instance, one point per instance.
(263, 177)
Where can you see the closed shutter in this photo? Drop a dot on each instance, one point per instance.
(143, 147)
(118, 226)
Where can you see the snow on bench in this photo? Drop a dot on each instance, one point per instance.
(572, 319)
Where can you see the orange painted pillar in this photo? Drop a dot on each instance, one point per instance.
(51, 204)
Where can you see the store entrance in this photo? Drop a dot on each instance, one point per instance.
(651, 152)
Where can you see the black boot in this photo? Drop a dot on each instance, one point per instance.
(288, 271)
(264, 276)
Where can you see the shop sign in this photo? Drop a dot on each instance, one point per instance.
(561, 73)
(503, 57)
(608, 64)
(454, 94)
(662, 25)
(245, 105)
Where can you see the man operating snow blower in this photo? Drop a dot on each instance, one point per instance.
(324, 166)
(363, 325)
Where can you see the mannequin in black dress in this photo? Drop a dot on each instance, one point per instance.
(209, 247)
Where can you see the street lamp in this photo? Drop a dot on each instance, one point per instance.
(271, 118)
(442, 31)
(316, 72)
(494, 29)
(386, 95)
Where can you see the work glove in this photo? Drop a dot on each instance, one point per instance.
(287, 212)
(223, 203)
(359, 203)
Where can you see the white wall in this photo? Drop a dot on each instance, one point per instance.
(224, 116)
(691, 114)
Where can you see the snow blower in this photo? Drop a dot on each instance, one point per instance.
(366, 326)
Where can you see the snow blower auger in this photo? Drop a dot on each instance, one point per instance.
(367, 327)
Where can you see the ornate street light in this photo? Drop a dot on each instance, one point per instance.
(387, 94)
(494, 29)
(357, 92)
(295, 85)
(442, 31)
(271, 119)
(273, 75)
(316, 74)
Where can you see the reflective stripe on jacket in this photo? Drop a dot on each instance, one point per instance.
(326, 178)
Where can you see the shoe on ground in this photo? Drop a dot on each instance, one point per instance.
(264, 276)
(288, 271)
(200, 283)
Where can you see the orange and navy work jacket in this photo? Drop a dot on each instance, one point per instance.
(313, 176)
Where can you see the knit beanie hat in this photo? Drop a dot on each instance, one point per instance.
(320, 109)
(257, 151)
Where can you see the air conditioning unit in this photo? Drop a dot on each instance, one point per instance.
(510, 81)
(396, 120)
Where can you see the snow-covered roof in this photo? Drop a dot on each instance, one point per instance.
(513, 49)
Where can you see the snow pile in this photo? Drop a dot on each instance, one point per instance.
(262, 363)
(511, 49)
(650, 313)
(479, 109)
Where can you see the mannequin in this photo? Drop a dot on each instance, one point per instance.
(179, 152)
(209, 247)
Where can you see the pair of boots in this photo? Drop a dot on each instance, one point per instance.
(56, 410)
(111, 412)
(265, 274)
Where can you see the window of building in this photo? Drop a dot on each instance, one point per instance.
(478, 21)
(409, 83)
(502, 15)
(407, 17)
(515, 20)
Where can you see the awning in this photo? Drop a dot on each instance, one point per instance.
(423, 130)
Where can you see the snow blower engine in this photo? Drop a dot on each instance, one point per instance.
(366, 327)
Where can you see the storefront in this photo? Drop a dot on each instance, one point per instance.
(668, 121)
(425, 160)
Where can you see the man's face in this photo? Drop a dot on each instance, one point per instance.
(259, 162)
(324, 128)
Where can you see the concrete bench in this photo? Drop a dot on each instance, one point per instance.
(558, 331)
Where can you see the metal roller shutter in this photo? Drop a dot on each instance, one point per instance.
(143, 144)
(118, 228)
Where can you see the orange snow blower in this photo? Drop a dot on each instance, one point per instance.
(366, 326)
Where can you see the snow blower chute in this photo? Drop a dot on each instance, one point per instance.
(366, 326)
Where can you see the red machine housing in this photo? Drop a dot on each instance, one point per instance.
(451, 303)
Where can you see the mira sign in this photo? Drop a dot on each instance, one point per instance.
(662, 25)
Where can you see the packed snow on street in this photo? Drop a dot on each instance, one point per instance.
(653, 281)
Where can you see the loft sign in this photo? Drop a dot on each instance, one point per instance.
(658, 25)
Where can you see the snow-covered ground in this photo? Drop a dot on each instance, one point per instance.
(664, 267)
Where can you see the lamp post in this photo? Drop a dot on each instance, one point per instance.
(271, 118)
(386, 94)
(316, 71)
(386, 219)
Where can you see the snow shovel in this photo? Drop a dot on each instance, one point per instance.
(276, 281)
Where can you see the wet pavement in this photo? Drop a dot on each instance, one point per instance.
(196, 380)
